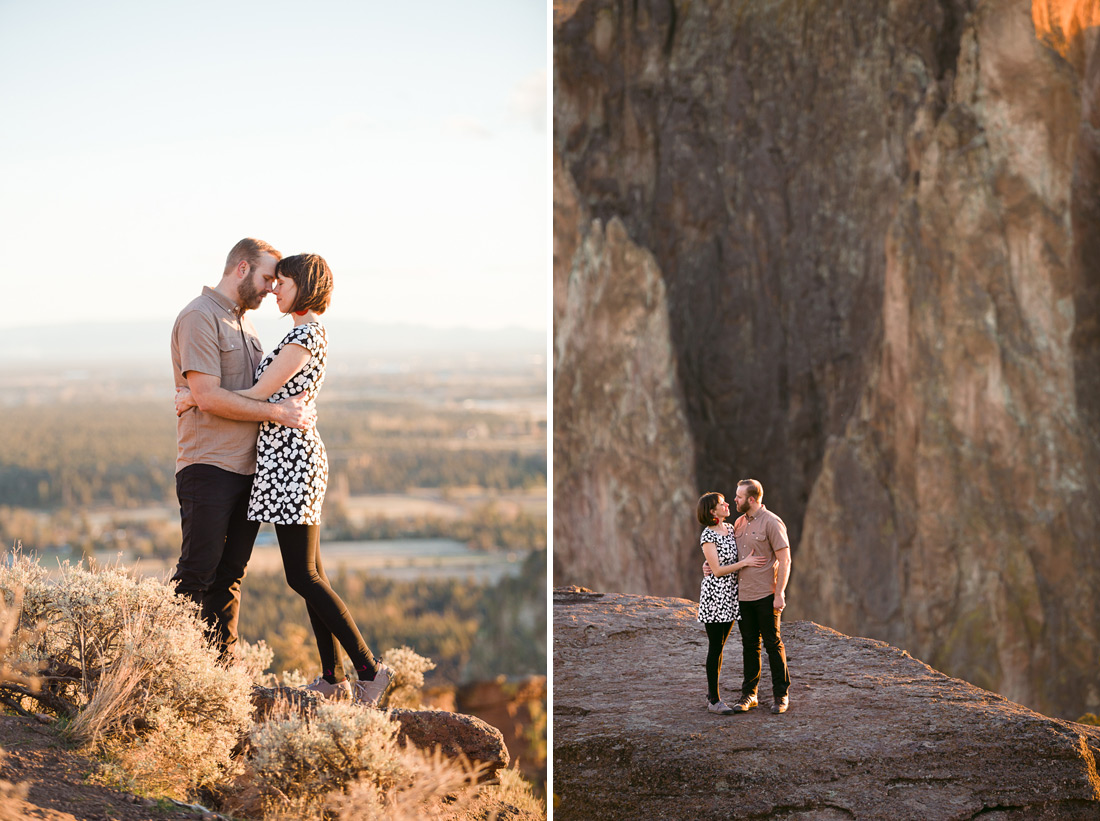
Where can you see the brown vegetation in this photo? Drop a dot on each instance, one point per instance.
(72, 476)
(125, 667)
(67, 456)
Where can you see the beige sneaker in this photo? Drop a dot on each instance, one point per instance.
(719, 707)
(371, 692)
(337, 692)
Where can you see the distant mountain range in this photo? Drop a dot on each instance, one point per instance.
(149, 340)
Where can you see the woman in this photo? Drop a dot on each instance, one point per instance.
(291, 475)
(718, 595)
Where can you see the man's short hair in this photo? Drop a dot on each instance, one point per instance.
(755, 489)
(249, 250)
(704, 511)
(314, 280)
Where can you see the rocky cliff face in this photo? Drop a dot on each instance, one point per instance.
(877, 228)
(871, 733)
(622, 454)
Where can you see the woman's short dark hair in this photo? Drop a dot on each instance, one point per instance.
(314, 280)
(704, 511)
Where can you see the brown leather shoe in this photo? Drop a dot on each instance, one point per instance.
(745, 704)
(780, 705)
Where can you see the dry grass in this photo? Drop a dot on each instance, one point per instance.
(299, 761)
(433, 788)
(11, 637)
(408, 680)
(255, 659)
(109, 712)
(344, 762)
(415, 786)
(15, 636)
(443, 790)
(126, 662)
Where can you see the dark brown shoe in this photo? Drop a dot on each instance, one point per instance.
(780, 705)
(745, 704)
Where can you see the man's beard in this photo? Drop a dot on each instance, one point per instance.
(248, 295)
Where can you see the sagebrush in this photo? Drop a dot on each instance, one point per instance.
(126, 663)
(126, 666)
(408, 668)
(300, 760)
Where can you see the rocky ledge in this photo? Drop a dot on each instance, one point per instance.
(872, 733)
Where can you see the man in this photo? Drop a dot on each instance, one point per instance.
(761, 594)
(215, 351)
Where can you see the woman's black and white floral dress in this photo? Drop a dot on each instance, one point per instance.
(718, 594)
(291, 464)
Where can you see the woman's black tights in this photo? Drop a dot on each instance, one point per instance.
(717, 633)
(332, 623)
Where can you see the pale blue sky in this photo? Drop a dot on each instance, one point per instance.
(407, 143)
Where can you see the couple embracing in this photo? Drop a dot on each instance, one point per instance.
(248, 452)
(749, 590)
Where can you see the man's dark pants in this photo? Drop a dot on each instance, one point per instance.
(217, 544)
(759, 621)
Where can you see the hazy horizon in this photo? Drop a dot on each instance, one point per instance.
(148, 340)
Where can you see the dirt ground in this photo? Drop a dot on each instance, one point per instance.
(56, 781)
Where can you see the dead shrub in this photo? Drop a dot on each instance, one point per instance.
(127, 663)
(408, 680)
(300, 760)
(12, 637)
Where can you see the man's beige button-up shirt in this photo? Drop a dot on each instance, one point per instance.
(210, 336)
(765, 535)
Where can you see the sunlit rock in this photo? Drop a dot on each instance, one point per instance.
(871, 733)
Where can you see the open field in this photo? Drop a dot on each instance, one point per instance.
(445, 504)
(449, 504)
(401, 559)
(409, 560)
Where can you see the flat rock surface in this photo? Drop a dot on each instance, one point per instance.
(872, 733)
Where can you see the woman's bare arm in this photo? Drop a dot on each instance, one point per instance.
(289, 361)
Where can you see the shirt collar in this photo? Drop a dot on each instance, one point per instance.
(224, 302)
(749, 518)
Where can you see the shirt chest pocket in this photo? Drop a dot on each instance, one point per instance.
(758, 542)
(235, 360)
